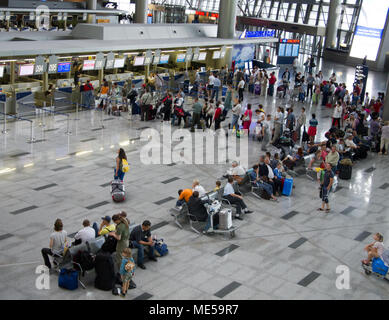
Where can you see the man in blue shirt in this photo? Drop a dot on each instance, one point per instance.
(230, 195)
(216, 88)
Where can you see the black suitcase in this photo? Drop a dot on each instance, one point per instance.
(105, 274)
(345, 172)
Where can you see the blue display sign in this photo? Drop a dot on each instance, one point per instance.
(64, 67)
(258, 34)
(369, 32)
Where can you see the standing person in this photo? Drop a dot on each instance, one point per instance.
(316, 94)
(272, 82)
(197, 108)
(216, 88)
(132, 97)
(228, 101)
(312, 130)
(127, 270)
(121, 165)
(278, 121)
(247, 117)
(326, 188)
(140, 238)
(145, 105)
(385, 138)
(90, 99)
(122, 235)
(236, 110)
(295, 65)
(301, 120)
(290, 120)
(217, 116)
(207, 113)
(167, 109)
(266, 132)
(241, 85)
(337, 115)
(211, 84)
(265, 82)
(310, 83)
(58, 241)
(312, 64)
(104, 95)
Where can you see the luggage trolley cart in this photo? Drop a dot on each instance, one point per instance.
(224, 214)
(378, 266)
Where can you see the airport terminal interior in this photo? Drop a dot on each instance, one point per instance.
(86, 85)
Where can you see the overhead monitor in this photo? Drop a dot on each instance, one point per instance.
(370, 29)
(216, 54)
(119, 63)
(164, 59)
(289, 48)
(156, 59)
(1, 71)
(202, 56)
(181, 57)
(64, 67)
(139, 61)
(26, 70)
(148, 60)
(89, 65)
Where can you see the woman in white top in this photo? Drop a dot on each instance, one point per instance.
(197, 187)
(57, 244)
(337, 115)
(375, 249)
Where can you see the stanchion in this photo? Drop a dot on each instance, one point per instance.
(32, 139)
(41, 123)
(76, 118)
(68, 132)
(5, 131)
(101, 119)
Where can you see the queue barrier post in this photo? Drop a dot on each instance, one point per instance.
(5, 131)
(32, 138)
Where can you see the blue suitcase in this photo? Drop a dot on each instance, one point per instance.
(68, 279)
(379, 266)
(288, 186)
(257, 89)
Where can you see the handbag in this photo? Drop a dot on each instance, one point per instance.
(305, 136)
(68, 279)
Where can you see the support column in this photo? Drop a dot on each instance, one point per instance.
(91, 5)
(385, 115)
(45, 84)
(333, 23)
(227, 19)
(141, 8)
(101, 76)
(12, 75)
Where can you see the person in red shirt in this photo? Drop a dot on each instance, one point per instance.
(272, 82)
(377, 106)
(216, 117)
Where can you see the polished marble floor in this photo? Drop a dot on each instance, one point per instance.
(284, 250)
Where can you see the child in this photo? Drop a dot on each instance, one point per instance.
(127, 269)
(316, 94)
(374, 249)
(278, 171)
(312, 130)
(218, 186)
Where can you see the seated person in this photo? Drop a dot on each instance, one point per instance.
(183, 197)
(196, 208)
(323, 151)
(85, 234)
(254, 176)
(374, 249)
(272, 179)
(274, 162)
(291, 161)
(218, 186)
(311, 148)
(105, 226)
(237, 172)
(278, 170)
(333, 158)
(197, 187)
(233, 198)
(58, 241)
(316, 164)
(140, 238)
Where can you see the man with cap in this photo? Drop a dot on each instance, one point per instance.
(105, 227)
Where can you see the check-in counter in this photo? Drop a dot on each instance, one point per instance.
(138, 81)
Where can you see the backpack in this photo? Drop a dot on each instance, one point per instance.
(109, 244)
(125, 166)
(161, 247)
(130, 266)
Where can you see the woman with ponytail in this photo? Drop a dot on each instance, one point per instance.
(121, 165)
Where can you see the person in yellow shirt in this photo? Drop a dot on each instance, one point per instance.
(184, 196)
(105, 227)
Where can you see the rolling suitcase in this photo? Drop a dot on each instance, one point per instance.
(345, 171)
(118, 192)
(288, 186)
(257, 89)
(225, 219)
